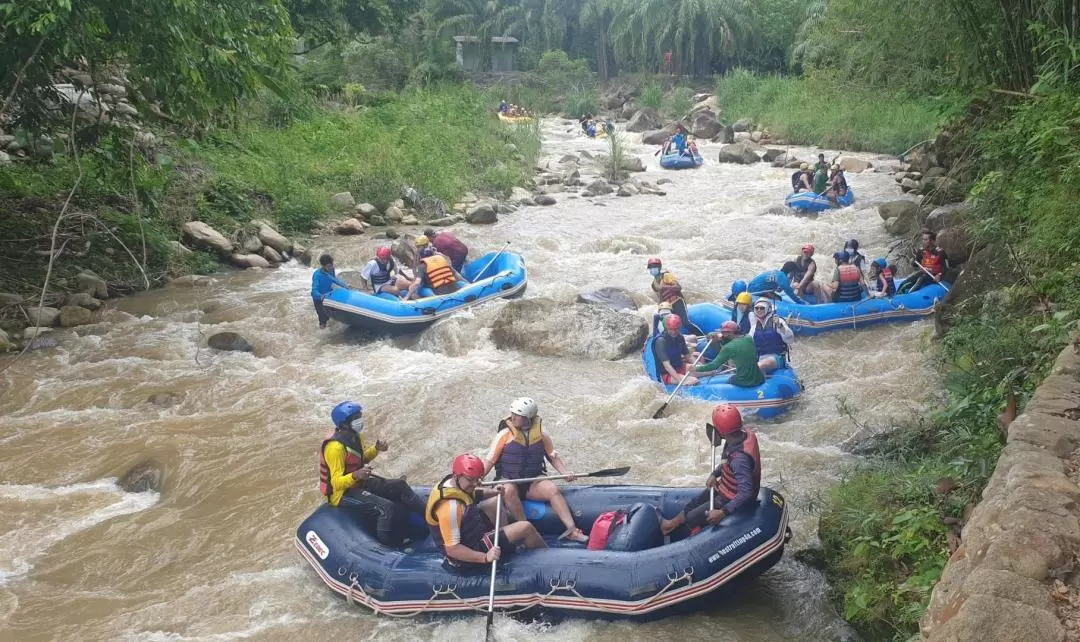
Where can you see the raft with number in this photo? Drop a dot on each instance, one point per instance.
(637, 576)
(505, 277)
(771, 399)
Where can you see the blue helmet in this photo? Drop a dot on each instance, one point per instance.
(841, 256)
(344, 412)
(880, 263)
(738, 287)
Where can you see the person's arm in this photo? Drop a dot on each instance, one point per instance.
(334, 453)
(786, 287)
(449, 515)
(495, 451)
(785, 331)
(370, 452)
(556, 459)
(718, 361)
(338, 282)
(463, 553)
(743, 468)
(808, 278)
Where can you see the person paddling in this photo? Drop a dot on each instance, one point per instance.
(735, 482)
(741, 352)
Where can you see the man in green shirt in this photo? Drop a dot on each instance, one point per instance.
(821, 180)
(741, 352)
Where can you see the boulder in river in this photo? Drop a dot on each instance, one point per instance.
(643, 120)
(201, 235)
(482, 213)
(270, 237)
(545, 199)
(658, 136)
(83, 299)
(893, 209)
(742, 153)
(43, 316)
(546, 327)
(143, 477)
(73, 315)
(229, 341)
(598, 187)
(249, 261)
(92, 284)
(772, 154)
(632, 164)
(612, 297)
(705, 124)
(349, 227)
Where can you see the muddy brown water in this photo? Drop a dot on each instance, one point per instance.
(211, 557)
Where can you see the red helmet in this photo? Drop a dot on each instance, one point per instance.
(654, 262)
(729, 326)
(672, 322)
(468, 466)
(809, 247)
(383, 253)
(726, 419)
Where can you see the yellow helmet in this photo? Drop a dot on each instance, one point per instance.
(744, 297)
(669, 279)
(421, 241)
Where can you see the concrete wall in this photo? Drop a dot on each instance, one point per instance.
(1012, 577)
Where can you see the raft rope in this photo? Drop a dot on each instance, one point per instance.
(439, 590)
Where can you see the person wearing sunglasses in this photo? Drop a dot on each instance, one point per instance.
(772, 337)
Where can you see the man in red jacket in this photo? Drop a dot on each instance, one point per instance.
(448, 245)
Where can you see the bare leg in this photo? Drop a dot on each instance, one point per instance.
(668, 525)
(547, 491)
(526, 533)
(767, 364)
(512, 502)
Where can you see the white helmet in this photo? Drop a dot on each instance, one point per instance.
(524, 407)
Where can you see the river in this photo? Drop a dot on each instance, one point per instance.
(212, 557)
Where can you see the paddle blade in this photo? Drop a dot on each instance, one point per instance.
(710, 432)
(660, 411)
(609, 472)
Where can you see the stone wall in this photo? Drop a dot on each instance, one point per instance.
(1013, 576)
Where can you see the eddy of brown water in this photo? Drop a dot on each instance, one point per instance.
(211, 558)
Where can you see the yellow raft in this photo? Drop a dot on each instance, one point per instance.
(515, 119)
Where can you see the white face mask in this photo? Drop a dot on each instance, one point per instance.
(655, 271)
(358, 424)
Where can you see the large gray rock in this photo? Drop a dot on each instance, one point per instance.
(271, 255)
(483, 213)
(908, 185)
(229, 341)
(393, 214)
(598, 187)
(742, 153)
(632, 164)
(643, 120)
(705, 124)
(342, 202)
(941, 190)
(946, 216)
(248, 261)
(627, 189)
(8, 299)
(855, 165)
(349, 227)
(44, 316)
(272, 238)
(900, 225)
(614, 298)
(742, 125)
(201, 235)
(921, 159)
(706, 101)
(521, 196)
(893, 209)
(73, 315)
(957, 244)
(84, 300)
(179, 248)
(404, 250)
(773, 154)
(251, 244)
(92, 284)
(546, 327)
(658, 136)
(545, 199)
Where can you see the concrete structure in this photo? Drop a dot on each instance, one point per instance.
(471, 53)
(503, 49)
(468, 52)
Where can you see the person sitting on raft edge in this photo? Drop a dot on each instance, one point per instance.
(323, 280)
(462, 526)
(672, 354)
(436, 273)
(521, 450)
(741, 352)
(736, 481)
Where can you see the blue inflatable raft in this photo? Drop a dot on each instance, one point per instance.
(638, 576)
(812, 202)
(681, 161)
(771, 399)
(814, 318)
(387, 314)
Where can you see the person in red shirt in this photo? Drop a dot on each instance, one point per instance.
(448, 245)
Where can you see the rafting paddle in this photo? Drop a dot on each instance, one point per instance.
(928, 273)
(477, 278)
(660, 410)
(711, 432)
(607, 472)
(491, 590)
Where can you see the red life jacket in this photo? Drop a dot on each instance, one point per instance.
(850, 284)
(932, 261)
(602, 527)
(748, 448)
(354, 457)
(886, 283)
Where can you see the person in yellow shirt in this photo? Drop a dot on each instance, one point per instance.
(345, 478)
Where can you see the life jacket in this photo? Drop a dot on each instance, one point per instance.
(850, 284)
(602, 527)
(748, 448)
(674, 348)
(354, 457)
(796, 180)
(767, 339)
(840, 182)
(474, 524)
(742, 319)
(802, 264)
(439, 272)
(932, 260)
(382, 273)
(670, 293)
(524, 455)
(885, 282)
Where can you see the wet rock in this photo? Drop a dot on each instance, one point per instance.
(935, 172)
(251, 244)
(391, 233)
(114, 316)
(164, 399)
(270, 237)
(855, 165)
(179, 248)
(757, 136)
(546, 327)
(627, 189)
(702, 102)
(772, 154)
(521, 196)
(201, 235)
(814, 557)
(349, 227)
(663, 181)
(249, 261)
(643, 120)
(92, 284)
(84, 300)
(742, 125)
(614, 298)
(393, 214)
(571, 177)
(569, 158)
(957, 244)
(271, 255)
(632, 164)
(741, 153)
(940, 190)
(598, 188)
(946, 216)
(909, 185)
(545, 199)
(302, 254)
(7, 299)
(900, 225)
(410, 220)
(705, 124)
(658, 136)
(445, 221)
(481, 214)
(342, 202)
(73, 315)
(143, 477)
(920, 159)
(404, 250)
(229, 341)
(893, 209)
(44, 316)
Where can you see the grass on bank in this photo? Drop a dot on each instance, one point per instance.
(817, 111)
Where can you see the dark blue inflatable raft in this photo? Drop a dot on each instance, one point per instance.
(681, 161)
(384, 313)
(771, 399)
(812, 202)
(637, 577)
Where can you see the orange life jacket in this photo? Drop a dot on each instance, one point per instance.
(354, 457)
(931, 260)
(748, 448)
(439, 272)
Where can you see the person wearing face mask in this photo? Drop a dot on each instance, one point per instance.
(521, 450)
(772, 337)
(741, 314)
(656, 269)
(345, 478)
(669, 292)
